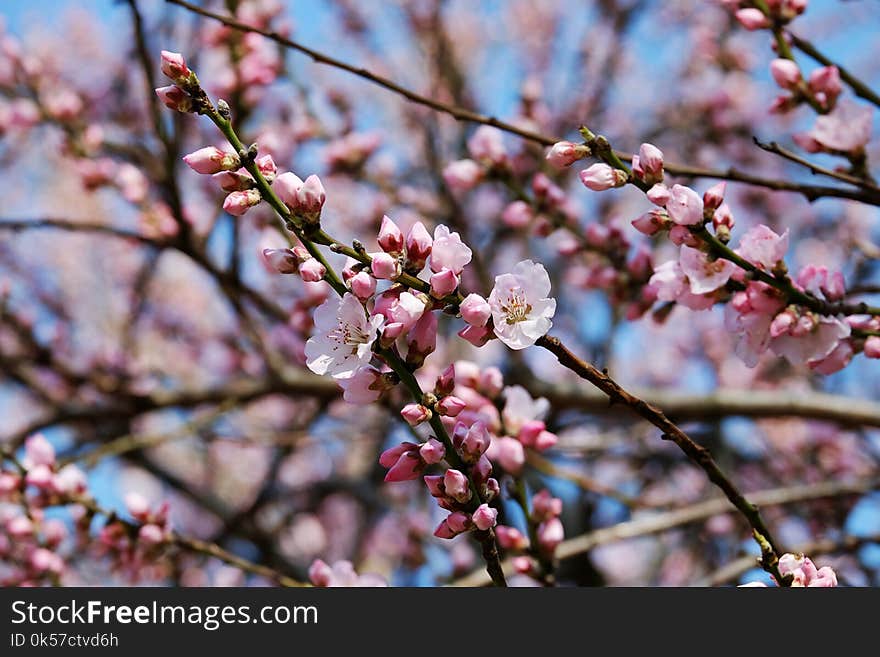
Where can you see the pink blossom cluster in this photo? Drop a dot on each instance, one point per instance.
(547, 529)
(469, 399)
(753, 17)
(803, 572)
(342, 574)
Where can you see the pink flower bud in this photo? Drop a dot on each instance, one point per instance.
(362, 285)
(38, 451)
(287, 186)
(872, 347)
(456, 485)
(174, 67)
(752, 19)
(19, 527)
(266, 166)
(714, 196)
(476, 335)
(565, 153)
(600, 177)
(786, 73)
(826, 80)
(443, 283)
(435, 485)
(446, 381)
(487, 144)
(475, 442)
(545, 440)
(491, 381)
(529, 432)
(43, 560)
(451, 406)
(462, 175)
(211, 159)
(651, 222)
(509, 453)
(685, 206)
(407, 466)
(320, 574)
(39, 476)
(522, 565)
(151, 535)
(175, 98)
(230, 181)
(237, 203)
(311, 195)
(455, 524)
(415, 414)
(281, 260)
(432, 451)
(422, 339)
(418, 246)
(517, 215)
(545, 506)
(8, 483)
(137, 505)
(650, 164)
(385, 266)
(510, 538)
(550, 535)
(475, 310)
(312, 270)
(659, 194)
(834, 287)
(484, 517)
(390, 456)
(390, 237)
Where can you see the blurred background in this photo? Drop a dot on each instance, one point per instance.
(143, 335)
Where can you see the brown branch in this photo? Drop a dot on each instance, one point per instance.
(656, 523)
(697, 453)
(811, 192)
(815, 169)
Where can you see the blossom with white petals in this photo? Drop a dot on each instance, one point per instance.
(521, 307)
(343, 338)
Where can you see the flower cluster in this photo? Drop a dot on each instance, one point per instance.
(803, 572)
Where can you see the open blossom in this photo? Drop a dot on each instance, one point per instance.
(762, 247)
(343, 338)
(749, 316)
(448, 251)
(521, 308)
(806, 338)
(804, 572)
(703, 273)
(672, 284)
(845, 129)
(521, 409)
